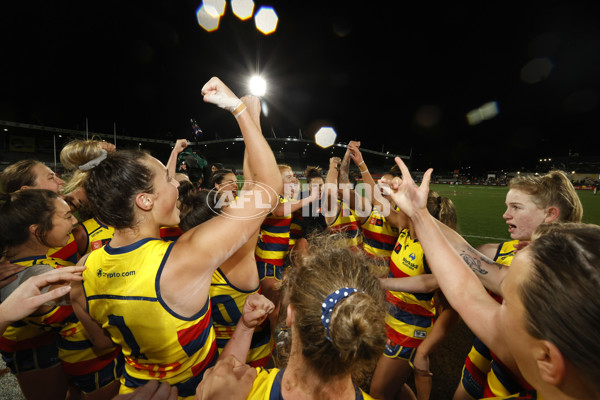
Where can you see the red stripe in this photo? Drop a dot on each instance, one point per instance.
(65, 252)
(348, 226)
(401, 339)
(273, 261)
(171, 231)
(90, 366)
(411, 308)
(475, 372)
(397, 272)
(261, 362)
(187, 335)
(277, 221)
(275, 239)
(380, 237)
(60, 315)
(198, 368)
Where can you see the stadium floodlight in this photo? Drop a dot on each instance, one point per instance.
(325, 137)
(258, 86)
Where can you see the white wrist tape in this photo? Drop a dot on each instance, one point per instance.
(224, 101)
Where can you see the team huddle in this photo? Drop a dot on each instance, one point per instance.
(264, 290)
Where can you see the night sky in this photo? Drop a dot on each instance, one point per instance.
(395, 75)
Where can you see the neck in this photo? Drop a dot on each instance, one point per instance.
(301, 382)
(31, 248)
(127, 236)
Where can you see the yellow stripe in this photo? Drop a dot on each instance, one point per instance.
(496, 386)
(404, 328)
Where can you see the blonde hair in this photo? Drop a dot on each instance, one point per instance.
(283, 167)
(76, 153)
(442, 208)
(357, 327)
(553, 189)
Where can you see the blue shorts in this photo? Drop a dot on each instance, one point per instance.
(89, 383)
(266, 270)
(393, 350)
(32, 359)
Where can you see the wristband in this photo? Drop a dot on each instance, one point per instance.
(365, 171)
(361, 163)
(240, 109)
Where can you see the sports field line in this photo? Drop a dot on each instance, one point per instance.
(484, 237)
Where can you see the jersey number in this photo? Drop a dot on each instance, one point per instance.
(119, 322)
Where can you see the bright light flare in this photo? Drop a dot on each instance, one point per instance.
(243, 9)
(325, 137)
(486, 111)
(215, 7)
(266, 20)
(208, 17)
(258, 86)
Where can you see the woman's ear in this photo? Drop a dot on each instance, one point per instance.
(551, 363)
(552, 214)
(144, 201)
(33, 228)
(290, 315)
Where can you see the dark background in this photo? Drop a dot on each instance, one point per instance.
(398, 76)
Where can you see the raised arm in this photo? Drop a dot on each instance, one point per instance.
(345, 165)
(330, 189)
(180, 145)
(460, 285)
(187, 274)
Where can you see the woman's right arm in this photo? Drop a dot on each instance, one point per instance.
(480, 260)
(330, 190)
(464, 291)
(198, 252)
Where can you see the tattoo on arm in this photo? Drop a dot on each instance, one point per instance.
(477, 263)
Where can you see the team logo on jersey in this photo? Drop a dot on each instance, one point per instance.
(102, 274)
(420, 334)
(412, 256)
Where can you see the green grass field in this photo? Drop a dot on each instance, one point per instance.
(480, 210)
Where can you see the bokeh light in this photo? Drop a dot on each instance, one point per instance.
(243, 9)
(325, 137)
(486, 111)
(215, 6)
(208, 17)
(536, 70)
(266, 20)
